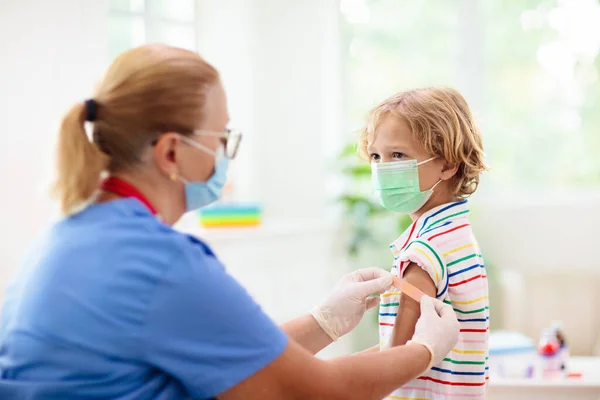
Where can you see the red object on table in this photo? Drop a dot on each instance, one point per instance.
(549, 348)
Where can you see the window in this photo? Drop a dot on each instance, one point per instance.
(135, 22)
(528, 68)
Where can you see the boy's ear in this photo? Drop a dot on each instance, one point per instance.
(448, 171)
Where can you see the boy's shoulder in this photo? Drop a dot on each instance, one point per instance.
(441, 228)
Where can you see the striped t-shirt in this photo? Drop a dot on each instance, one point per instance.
(442, 243)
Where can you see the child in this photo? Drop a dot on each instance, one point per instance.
(426, 157)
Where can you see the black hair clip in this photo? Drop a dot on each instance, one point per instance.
(91, 107)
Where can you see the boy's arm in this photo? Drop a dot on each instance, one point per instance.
(409, 310)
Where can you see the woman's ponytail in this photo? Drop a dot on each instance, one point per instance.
(79, 162)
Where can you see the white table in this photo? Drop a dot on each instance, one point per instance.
(586, 388)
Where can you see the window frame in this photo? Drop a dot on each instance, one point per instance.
(154, 22)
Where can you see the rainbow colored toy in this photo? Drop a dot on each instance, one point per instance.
(230, 215)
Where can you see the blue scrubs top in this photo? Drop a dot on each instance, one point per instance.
(113, 304)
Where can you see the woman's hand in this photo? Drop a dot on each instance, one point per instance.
(437, 329)
(346, 305)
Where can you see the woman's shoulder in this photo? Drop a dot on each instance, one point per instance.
(125, 222)
(113, 257)
(119, 238)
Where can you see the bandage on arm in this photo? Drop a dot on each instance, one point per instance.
(408, 289)
(414, 284)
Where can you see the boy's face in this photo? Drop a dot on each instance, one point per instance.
(394, 141)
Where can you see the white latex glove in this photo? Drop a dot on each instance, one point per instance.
(437, 329)
(347, 303)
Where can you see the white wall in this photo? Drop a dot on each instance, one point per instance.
(51, 53)
(544, 254)
(280, 62)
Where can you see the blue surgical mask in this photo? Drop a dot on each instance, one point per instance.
(201, 194)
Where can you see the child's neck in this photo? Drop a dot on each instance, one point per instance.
(433, 202)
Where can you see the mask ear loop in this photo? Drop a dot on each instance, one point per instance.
(218, 155)
(433, 187)
(197, 145)
(426, 161)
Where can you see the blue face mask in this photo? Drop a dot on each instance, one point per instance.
(200, 194)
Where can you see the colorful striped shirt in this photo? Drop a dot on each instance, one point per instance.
(442, 243)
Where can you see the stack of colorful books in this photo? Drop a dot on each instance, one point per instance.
(230, 215)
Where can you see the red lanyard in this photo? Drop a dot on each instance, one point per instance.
(121, 188)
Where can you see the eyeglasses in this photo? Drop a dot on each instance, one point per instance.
(230, 138)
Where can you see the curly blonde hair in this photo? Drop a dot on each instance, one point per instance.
(442, 122)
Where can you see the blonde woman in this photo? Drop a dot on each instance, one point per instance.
(112, 303)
